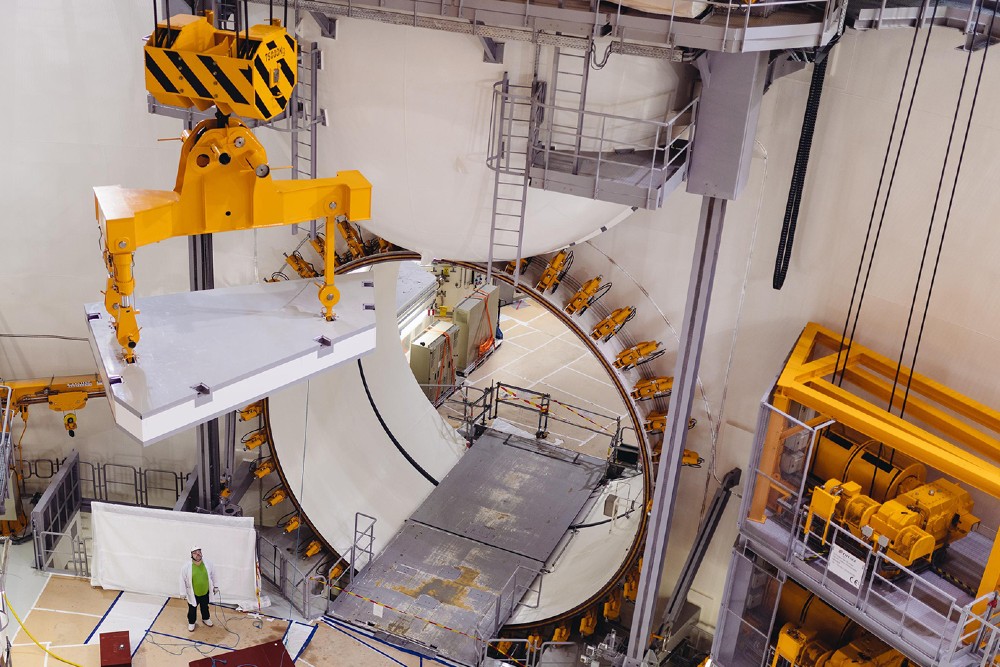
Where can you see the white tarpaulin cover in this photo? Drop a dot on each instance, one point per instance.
(142, 550)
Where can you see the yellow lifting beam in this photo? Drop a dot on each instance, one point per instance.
(223, 184)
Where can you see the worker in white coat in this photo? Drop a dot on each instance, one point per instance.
(197, 579)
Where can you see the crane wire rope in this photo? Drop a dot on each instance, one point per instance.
(930, 224)
(951, 201)
(844, 339)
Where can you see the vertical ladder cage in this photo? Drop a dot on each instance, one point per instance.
(513, 137)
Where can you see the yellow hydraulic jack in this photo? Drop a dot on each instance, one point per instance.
(648, 388)
(223, 184)
(355, 244)
(656, 422)
(588, 294)
(301, 266)
(555, 271)
(612, 324)
(638, 354)
(509, 269)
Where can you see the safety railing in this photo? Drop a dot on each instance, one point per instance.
(363, 547)
(470, 406)
(109, 482)
(500, 652)
(55, 523)
(511, 595)
(307, 592)
(601, 156)
(594, 424)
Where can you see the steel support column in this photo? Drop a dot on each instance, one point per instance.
(692, 337)
(202, 272)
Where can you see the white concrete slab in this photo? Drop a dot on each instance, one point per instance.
(205, 353)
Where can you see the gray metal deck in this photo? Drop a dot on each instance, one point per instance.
(455, 572)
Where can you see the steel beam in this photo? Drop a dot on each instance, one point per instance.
(692, 338)
(201, 265)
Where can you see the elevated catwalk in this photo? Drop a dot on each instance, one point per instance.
(471, 551)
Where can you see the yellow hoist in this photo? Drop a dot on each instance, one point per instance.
(224, 180)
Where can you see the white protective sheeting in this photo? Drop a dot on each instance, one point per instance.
(336, 455)
(679, 8)
(142, 550)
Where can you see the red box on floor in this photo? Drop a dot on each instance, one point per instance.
(116, 650)
(271, 654)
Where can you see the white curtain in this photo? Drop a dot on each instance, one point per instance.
(142, 550)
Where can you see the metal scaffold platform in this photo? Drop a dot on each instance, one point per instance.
(471, 552)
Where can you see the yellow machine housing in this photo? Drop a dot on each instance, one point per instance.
(916, 523)
(637, 354)
(648, 388)
(555, 271)
(612, 324)
(190, 63)
(223, 184)
(585, 297)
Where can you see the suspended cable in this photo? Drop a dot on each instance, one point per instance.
(947, 217)
(878, 232)
(930, 226)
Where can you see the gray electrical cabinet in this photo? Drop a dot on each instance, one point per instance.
(476, 317)
(434, 357)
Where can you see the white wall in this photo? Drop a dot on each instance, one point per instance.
(410, 109)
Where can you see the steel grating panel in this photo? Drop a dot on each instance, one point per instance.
(434, 588)
(518, 499)
(456, 571)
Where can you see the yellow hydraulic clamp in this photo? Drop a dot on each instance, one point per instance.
(560, 634)
(313, 548)
(383, 246)
(648, 388)
(613, 605)
(355, 244)
(250, 73)
(555, 271)
(251, 411)
(638, 354)
(588, 294)
(588, 624)
(254, 440)
(509, 269)
(319, 245)
(301, 266)
(612, 324)
(276, 496)
(292, 523)
(534, 641)
(223, 184)
(264, 468)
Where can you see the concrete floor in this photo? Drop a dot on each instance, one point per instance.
(539, 353)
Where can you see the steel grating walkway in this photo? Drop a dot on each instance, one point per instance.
(463, 560)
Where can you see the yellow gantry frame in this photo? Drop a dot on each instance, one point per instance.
(943, 429)
(223, 184)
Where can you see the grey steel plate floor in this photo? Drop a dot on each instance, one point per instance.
(499, 513)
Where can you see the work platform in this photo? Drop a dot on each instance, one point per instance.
(471, 552)
(206, 353)
(721, 26)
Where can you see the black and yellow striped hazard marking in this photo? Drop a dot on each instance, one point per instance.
(256, 86)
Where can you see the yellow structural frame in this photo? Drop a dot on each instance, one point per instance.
(224, 183)
(943, 428)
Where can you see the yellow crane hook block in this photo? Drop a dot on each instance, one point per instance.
(251, 73)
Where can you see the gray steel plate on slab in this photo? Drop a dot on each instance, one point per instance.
(238, 343)
(518, 498)
(426, 574)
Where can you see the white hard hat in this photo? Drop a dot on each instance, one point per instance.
(195, 548)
